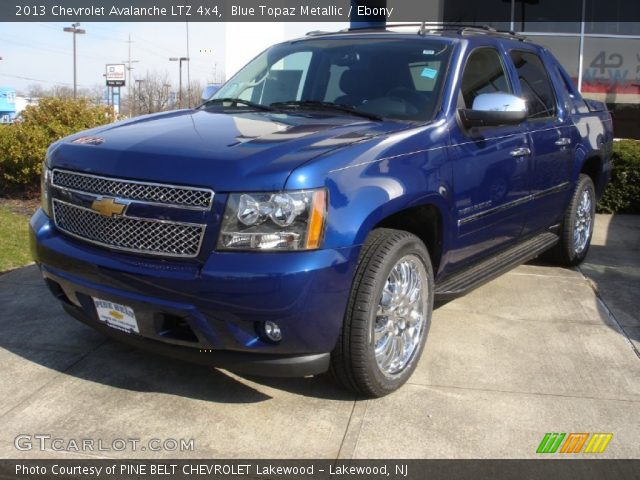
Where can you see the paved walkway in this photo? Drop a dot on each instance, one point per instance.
(541, 349)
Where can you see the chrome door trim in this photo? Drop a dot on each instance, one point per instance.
(500, 208)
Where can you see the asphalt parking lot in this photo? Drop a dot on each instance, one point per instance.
(540, 349)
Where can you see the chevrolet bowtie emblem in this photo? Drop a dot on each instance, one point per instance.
(108, 207)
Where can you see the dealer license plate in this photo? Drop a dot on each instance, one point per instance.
(116, 315)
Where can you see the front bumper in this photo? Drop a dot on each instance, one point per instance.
(208, 313)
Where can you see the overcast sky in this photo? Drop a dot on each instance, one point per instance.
(41, 53)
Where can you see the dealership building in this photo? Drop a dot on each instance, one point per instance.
(7, 104)
(593, 39)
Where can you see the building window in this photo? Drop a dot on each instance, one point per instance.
(611, 70)
(544, 16)
(620, 11)
(494, 13)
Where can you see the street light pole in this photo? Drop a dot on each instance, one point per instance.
(180, 60)
(130, 92)
(76, 31)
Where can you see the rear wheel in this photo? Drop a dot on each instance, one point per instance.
(577, 224)
(388, 316)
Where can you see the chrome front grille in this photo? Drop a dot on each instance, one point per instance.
(168, 195)
(131, 234)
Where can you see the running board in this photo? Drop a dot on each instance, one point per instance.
(486, 270)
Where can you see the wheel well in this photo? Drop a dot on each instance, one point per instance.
(425, 222)
(593, 166)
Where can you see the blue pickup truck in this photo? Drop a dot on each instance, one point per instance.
(307, 216)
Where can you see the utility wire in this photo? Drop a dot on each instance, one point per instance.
(31, 79)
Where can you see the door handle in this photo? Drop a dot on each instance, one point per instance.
(563, 142)
(520, 152)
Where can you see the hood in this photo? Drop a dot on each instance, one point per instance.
(223, 151)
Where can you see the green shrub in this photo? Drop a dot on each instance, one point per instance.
(22, 150)
(622, 194)
(24, 144)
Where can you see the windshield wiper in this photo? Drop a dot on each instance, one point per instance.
(318, 105)
(237, 101)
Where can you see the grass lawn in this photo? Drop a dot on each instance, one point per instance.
(14, 239)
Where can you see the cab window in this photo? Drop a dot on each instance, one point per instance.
(537, 90)
(395, 78)
(483, 73)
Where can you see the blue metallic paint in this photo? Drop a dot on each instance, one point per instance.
(371, 170)
(304, 292)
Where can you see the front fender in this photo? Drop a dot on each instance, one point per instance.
(397, 205)
(370, 188)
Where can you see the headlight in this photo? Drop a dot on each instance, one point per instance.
(45, 183)
(274, 221)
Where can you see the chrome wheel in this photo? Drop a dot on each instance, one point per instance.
(583, 223)
(400, 317)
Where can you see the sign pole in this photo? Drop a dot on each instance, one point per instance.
(115, 78)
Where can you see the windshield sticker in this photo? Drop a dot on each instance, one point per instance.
(429, 73)
(428, 52)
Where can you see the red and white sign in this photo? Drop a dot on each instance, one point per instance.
(115, 75)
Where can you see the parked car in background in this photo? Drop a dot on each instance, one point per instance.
(306, 217)
(209, 91)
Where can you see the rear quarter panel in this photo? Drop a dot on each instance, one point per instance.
(593, 135)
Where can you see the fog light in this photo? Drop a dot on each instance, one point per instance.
(272, 331)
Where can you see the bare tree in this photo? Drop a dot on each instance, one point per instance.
(61, 91)
(36, 91)
(194, 93)
(94, 94)
(152, 93)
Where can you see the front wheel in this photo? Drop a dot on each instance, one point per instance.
(388, 316)
(577, 224)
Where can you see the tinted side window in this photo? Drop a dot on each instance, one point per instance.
(536, 87)
(483, 73)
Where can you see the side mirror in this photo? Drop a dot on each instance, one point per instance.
(493, 109)
(208, 91)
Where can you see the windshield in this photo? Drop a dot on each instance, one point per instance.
(396, 78)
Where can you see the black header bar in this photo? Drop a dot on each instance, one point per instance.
(463, 11)
(320, 469)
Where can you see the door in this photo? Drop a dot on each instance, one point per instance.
(551, 135)
(490, 167)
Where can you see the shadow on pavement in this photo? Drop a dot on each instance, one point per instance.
(36, 328)
(613, 266)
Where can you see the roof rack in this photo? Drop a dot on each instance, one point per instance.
(425, 28)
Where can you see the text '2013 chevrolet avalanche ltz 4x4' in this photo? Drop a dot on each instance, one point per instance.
(306, 217)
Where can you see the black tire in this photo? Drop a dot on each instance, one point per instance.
(353, 361)
(565, 252)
